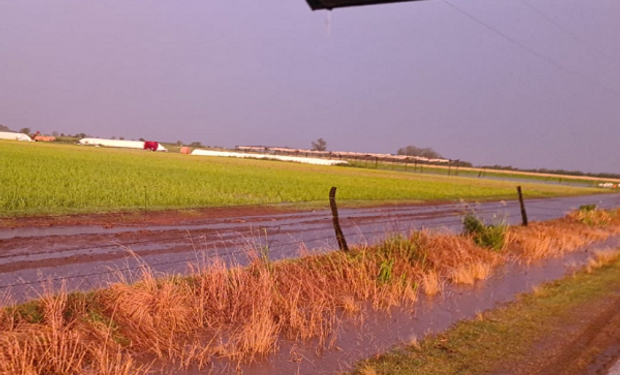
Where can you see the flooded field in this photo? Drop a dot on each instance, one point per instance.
(86, 256)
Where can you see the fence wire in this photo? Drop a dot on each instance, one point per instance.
(241, 245)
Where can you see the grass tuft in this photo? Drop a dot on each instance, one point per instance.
(485, 235)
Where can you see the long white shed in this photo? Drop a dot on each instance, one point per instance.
(15, 136)
(297, 159)
(117, 143)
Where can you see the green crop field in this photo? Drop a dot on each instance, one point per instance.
(38, 178)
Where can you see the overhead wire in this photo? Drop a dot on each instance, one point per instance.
(530, 50)
(568, 32)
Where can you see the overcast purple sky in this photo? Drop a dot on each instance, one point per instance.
(271, 73)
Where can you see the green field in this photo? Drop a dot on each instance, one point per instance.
(39, 178)
(488, 173)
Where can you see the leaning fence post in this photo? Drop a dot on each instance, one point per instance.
(342, 242)
(523, 213)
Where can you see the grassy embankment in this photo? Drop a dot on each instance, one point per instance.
(528, 336)
(243, 313)
(59, 179)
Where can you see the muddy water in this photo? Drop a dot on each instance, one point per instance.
(538, 209)
(85, 257)
(380, 331)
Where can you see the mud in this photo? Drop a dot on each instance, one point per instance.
(87, 256)
(140, 218)
(587, 343)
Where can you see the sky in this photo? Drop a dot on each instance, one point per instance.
(528, 83)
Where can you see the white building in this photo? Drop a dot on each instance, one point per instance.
(15, 136)
(117, 143)
(296, 159)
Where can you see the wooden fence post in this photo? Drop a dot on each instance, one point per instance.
(342, 242)
(523, 213)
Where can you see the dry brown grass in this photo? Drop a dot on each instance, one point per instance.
(601, 259)
(469, 273)
(557, 237)
(60, 344)
(431, 283)
(367, 370)
(241, 313)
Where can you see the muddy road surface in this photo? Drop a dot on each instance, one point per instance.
(87, 256)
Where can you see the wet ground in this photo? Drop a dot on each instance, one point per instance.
(86, 256)
(381, 331)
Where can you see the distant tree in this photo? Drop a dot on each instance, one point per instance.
(142, 139)
(461, 163)
(113, 137)
(62, 134)
(196, 145)
(121, 138)
(179, 143)
(319, 145)
(4, 128)
(416, 151)
(25, 130)
(55, 133)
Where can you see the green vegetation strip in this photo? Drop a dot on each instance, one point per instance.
(500, 337)
(59, 179)
(514, 175)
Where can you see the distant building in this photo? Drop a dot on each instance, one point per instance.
(117, 143)
(44, 138)
(15, 136)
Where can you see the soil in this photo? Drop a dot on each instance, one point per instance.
(588, 344)
(141, 218)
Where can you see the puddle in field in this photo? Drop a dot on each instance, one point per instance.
(538, 209)
(86, 261)
(380, 331)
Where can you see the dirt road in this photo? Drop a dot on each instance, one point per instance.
(87, 256)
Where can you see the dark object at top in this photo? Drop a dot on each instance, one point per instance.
(331, 4)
